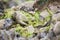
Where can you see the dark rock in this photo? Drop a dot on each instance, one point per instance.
(2, 7)
(27, 9)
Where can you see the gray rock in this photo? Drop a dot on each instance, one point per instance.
(20, 18)
(2, 22)
(12, 3)
(5, 23)
(56, 17)
(45, 38)
(44, 14)
(27, 7)
(56, 28)
(8, 22)
(30, 29)
(8, 35)
(51, 35)
(5, 35)
(35, 38)
(42, 33)
(53, 8)
(21, 38)
(58, 37)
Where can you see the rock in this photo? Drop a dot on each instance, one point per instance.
(18, 37)
(22, 38)
(5, 35)
(56, 17)
(56, 28)
(27, 7)
(28, 4)
(35, 38)
(2, 22)
(5, 23)
(41, 4)
(2, 7)
(42, 33)
(51, 35)
(20, 18)
(9, 35)
(44, 14)
(41, 18)
(58, 37)
(12, 3)
(53, 8)
(8, 22)
(30, 29)
(46, 38)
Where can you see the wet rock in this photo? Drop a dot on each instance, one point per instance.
(56, 28)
